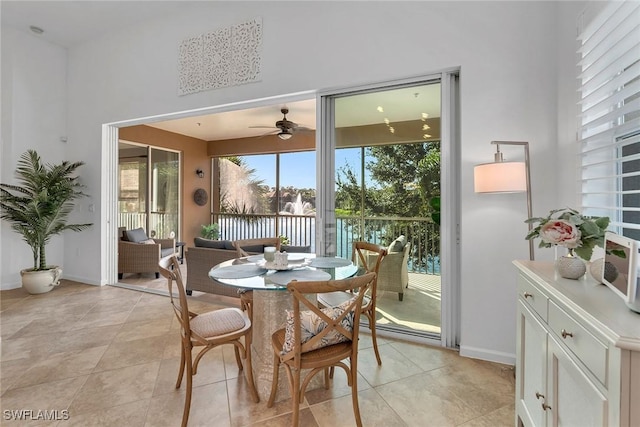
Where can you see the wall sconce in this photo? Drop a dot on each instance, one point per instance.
(200, 173)
(506, 177)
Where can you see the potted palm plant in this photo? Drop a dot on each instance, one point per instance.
(38, 209)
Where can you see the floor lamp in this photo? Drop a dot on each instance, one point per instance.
(506, 177)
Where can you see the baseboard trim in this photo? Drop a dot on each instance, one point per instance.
(489, 355)
(81, 280)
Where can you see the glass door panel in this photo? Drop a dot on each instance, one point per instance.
(165, 190)
(387, 191)
(297, 201)
(132, 190)
(267, 195)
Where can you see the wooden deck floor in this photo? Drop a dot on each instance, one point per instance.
(420, 308)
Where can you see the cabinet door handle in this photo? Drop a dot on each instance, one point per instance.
(527, 295)
(566, 334)
(538, 395)
(545, 407)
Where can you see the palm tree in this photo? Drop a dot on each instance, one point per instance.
(38, 209)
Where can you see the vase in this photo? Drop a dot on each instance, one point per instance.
(600, 268)
(570, 266)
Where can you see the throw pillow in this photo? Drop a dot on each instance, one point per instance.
(398, 244)
(311, 325)
(200, 242)
(148, 242)
(137, 235)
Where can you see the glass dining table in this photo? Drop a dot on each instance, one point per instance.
(271, 300)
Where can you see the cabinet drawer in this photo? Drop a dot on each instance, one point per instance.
(586, 347)
(533, 296)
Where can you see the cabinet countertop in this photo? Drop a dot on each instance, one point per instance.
(594, 302)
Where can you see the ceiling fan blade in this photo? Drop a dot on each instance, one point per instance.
(303, 129)
(268, 133)
(262, 127)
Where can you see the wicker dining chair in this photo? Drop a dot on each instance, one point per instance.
(319, 339)
(208, 330)
(361, 257)
(243, 247)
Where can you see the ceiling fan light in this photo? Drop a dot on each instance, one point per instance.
(285, 135)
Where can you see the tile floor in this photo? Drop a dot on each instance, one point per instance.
(109, 357)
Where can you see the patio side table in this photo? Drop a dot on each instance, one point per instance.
(180, 245)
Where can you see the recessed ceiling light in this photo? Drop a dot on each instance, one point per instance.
(36, 30)
(380, 109)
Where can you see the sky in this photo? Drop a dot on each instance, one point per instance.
(296, 169)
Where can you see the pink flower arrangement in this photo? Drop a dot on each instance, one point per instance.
(560, 232)
(568, 228)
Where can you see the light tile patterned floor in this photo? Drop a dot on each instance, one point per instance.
(418, 311)
(109, 356)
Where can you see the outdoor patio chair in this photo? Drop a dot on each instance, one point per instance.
(393, 275)
(137, 253)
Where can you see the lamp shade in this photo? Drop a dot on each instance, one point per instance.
(500, 177)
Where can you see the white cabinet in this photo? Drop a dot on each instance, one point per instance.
(577, 355)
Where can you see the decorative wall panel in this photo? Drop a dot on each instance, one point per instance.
(190, 65)
(225, 57)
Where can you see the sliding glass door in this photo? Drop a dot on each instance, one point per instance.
(164, 193)
(385, 147)
(149, 190)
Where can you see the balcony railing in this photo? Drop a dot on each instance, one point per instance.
(423, 234)
(160, 224)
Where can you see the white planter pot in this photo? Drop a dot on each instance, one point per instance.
(40, 281)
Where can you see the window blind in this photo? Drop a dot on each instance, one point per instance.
(609, 115)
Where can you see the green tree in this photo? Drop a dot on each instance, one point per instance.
(404, 182)
(254, 186)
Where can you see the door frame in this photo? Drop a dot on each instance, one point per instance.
(449, 182)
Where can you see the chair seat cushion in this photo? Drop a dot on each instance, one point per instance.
(218, 323)
(166, 252)
(295, 249)
(311, 325)
(258, 249)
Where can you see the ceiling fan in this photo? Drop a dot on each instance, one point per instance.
(286, 128)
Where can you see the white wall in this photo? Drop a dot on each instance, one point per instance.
(508, 56)
(34, 115)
